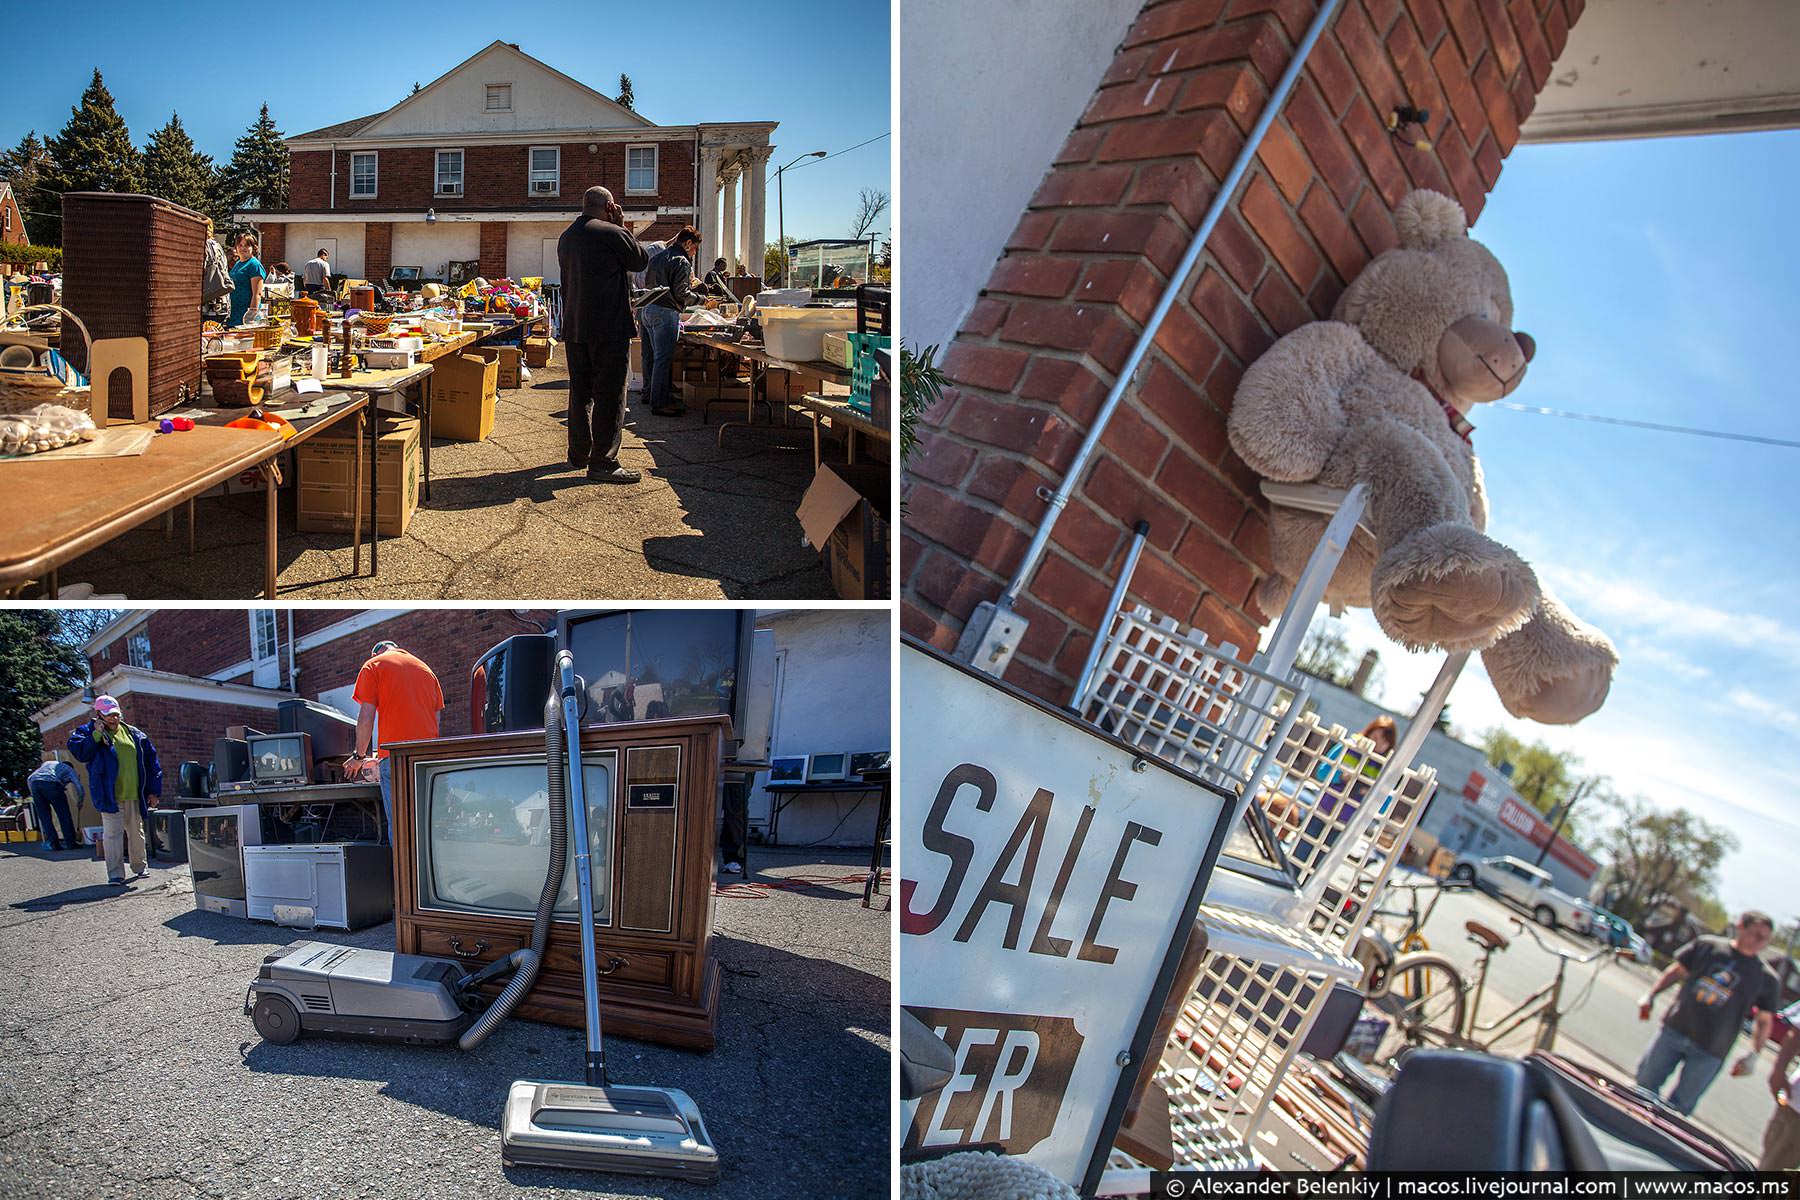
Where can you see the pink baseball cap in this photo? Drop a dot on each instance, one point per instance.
(106, 706)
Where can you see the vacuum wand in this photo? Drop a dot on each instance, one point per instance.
(584, 878)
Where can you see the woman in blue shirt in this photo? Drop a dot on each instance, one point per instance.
(247, 276)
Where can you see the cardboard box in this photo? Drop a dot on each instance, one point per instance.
(462, 397)
(322, 499)
(506, 360)
(844, 517)
(537, 351)
(634, 373)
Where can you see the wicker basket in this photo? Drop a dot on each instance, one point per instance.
(270, 337)
(23, 388)
(375, 324)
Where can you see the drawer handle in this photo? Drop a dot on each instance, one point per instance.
(456, 948)
(613, 963)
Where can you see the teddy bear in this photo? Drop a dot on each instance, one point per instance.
(1379, 395)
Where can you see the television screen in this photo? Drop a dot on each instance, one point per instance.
(280, 758)
(827, 767)
(484, 827)
(642, 666)
(787, 768)
(215, 840)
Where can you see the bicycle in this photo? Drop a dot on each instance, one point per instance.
(1429, 999)
(1377, 952)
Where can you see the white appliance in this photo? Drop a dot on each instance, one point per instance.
(347, 885)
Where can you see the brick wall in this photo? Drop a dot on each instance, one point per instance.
(378, 249)
(12, 220)
(493, 177)
(1092, 254)
(274, 245)
(493, 249)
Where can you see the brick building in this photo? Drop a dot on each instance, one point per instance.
(12, 219)
(488, 164)
(1093, 251)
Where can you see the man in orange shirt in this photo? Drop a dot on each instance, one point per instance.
(401, 692)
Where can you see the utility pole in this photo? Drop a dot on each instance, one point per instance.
(1562, 816)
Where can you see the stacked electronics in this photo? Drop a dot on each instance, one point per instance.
(834, 766)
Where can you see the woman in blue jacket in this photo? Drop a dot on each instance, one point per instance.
(124, 781)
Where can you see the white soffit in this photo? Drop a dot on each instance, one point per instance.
(1662, 68)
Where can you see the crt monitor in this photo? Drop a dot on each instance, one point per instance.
(650, 665)
(281, 758)
(787, 768)
(509, 684)
(828, 768)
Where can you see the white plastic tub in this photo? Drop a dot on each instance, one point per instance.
(798, 334)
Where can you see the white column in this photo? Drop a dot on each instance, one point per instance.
(725, 246)
(743, 232)
(706, 191)
(755, 206)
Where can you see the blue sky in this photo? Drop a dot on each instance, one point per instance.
(820, 67)
(1660, 279)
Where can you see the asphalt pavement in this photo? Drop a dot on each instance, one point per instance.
(1601, 1026)
(127, 1067)
(509, 518)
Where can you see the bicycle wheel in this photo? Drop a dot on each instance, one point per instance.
(1425, 999)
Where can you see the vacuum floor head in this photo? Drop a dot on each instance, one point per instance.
(627, 1130)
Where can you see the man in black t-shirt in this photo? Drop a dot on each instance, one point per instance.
(1721, 982)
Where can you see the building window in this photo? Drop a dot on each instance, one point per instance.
(640, 169)
(546, 170)
(137, 647)
(449, 172)
(362, 175)
(499, 97)
(263, 640)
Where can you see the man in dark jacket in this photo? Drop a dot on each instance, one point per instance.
(671, 280)
(50, 786)
(597, 255)
(124, 782)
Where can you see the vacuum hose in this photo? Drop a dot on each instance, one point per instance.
(525, 963)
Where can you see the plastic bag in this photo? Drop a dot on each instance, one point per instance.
(46, 427)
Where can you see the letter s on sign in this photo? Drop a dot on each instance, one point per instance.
(958, 849)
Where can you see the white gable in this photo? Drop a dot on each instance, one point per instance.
(541, 99)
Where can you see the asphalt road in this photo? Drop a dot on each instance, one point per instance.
(127, 1067)
(1601, 1026)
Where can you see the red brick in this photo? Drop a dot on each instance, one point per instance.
(941, 461)
(1151, 234)
(1531, 42)
(1333, 233)
(1428, 15)
(1166, 589)
(1381, 13)
(1187, 343)
(1374, 224)
(1236, 89)
(1221, 148)
(1323, 143)
(986, 316)
(1280, 304)
(950, 521)
(943, 579)
(1524, 97)
(1169, 137)
(1573, 9)
(1131, 285)
(1070, 187)
(1362, 46)
(1426, 171)
(914, 621)
(1141, 98)
(1227, 626)
(1171, 20)
(1045, 631)
(1070, 590)
(1270, 220)
(1134, 442)
(1454, 77)
(1034, 275)
(1231, 318)
(990, 367)
(1332, 73)
(1012, 484)
(1079, 147)
(1323, 297)
(1062, 326)
(1232, 247)
(1008, 426)
(1261, 41)
(1187, 187)
(1125, 497)
(1498, 104)
(1222, 384)
(1086, 533)
(1465, 23)
(1487, 161)
(1252, 541)
(1464, 178)
(1074, 654)
(1198, 426)
(1068, 384)
(1380, 151)
(1556, 31)
(1202, 493)
(1501, 39)
(1215, 565)
(1287, 164)
(1032, 231)
(378, 240)
(1412, 61)
(1051, 689)
(1295, 15)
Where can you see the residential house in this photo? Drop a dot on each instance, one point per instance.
(12, 217)
(488, 164)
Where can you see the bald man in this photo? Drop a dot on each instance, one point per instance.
(597, 255)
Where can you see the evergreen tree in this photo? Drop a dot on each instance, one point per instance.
(257, 175)
(415, 90)
(625, 97)
(36, 667)
(93, 153)
(23, 166)
(176, 171)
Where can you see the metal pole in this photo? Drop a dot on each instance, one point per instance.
(584, 879)
(1222, 198)
(781, 224)
(1562, 815)
(1112, 611)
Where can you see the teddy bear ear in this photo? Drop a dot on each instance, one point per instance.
(1427, 219)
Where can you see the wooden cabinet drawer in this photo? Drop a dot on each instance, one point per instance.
(466, 946)
(646, 967)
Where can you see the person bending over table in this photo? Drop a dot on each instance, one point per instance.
(597, 255)
(247, 276)
(660, 320)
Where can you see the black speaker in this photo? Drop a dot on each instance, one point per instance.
(510, 683)
(231, 761)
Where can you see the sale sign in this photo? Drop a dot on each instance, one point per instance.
(1050, 876)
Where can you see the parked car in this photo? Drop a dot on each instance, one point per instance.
(1518, 882)
(1610, 929)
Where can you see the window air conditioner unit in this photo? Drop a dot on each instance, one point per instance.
(543, 187)
(449, 189)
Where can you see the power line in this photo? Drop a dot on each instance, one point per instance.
(1710, 433)
(809, 162)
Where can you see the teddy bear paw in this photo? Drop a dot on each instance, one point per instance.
(1448, 587)
(1555, 669)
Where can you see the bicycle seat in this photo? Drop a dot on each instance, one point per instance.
(1487, 937)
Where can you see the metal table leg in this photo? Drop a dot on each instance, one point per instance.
(192, 503)
(425, 433)
(356, 508)
(374, 474)
(271, 473)
(881, 824)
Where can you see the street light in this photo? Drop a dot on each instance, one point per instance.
(781, 215)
